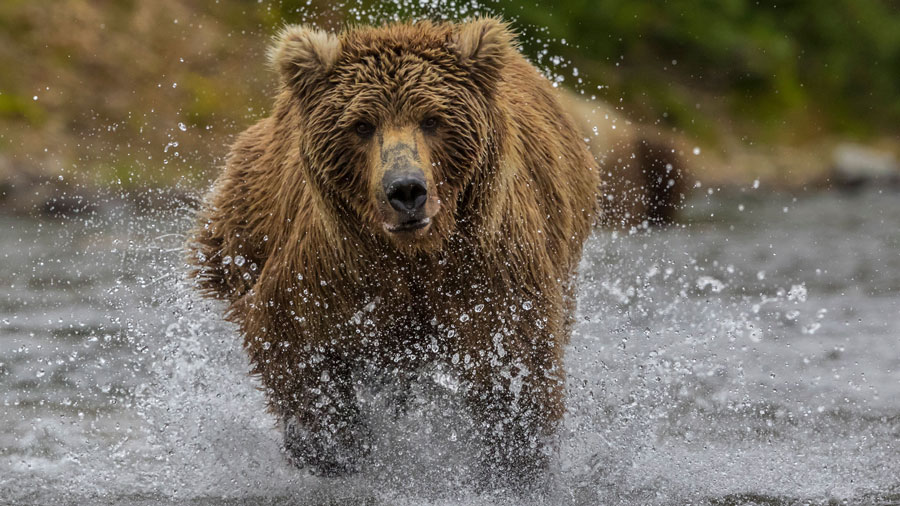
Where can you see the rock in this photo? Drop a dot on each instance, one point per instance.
(855, 165)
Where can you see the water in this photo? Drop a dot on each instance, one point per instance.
(750, 357)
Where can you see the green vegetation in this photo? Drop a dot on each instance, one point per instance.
(774, 67)
(120, 82)
(14, 107)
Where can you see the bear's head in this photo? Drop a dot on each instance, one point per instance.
(397, 125)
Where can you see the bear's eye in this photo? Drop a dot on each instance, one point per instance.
(429, 124)
(364, 129)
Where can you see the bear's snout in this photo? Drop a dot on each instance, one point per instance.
(404, 186)
(406, 192)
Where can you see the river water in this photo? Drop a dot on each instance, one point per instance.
(750, 356)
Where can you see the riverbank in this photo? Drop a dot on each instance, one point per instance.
(37, 192)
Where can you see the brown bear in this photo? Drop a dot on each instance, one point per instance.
(416, 196)
(642, 167)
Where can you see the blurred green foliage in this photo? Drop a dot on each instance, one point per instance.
(18, 107)
(834, 63)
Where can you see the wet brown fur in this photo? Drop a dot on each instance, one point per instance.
(643, 170)
(291, 234)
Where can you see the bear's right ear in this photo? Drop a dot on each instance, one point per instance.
(483, 46)
(301, 54)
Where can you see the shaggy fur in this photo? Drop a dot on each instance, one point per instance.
(295, 234)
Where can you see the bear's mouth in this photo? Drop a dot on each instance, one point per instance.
(407, 226)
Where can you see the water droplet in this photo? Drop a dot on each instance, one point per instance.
(464, 318)
(182, 127)
(239, 260)
(710, 282)
(479, 308)
(797, 293)
(527, 305)
(696, 150)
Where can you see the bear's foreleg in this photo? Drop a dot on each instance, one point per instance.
(518, 402)
(323, 429)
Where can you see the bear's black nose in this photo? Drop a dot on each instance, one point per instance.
(407, 194)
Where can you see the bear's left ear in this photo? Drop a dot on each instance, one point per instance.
(483, 46)
(301, 55)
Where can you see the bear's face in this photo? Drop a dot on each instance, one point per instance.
(397, 122)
